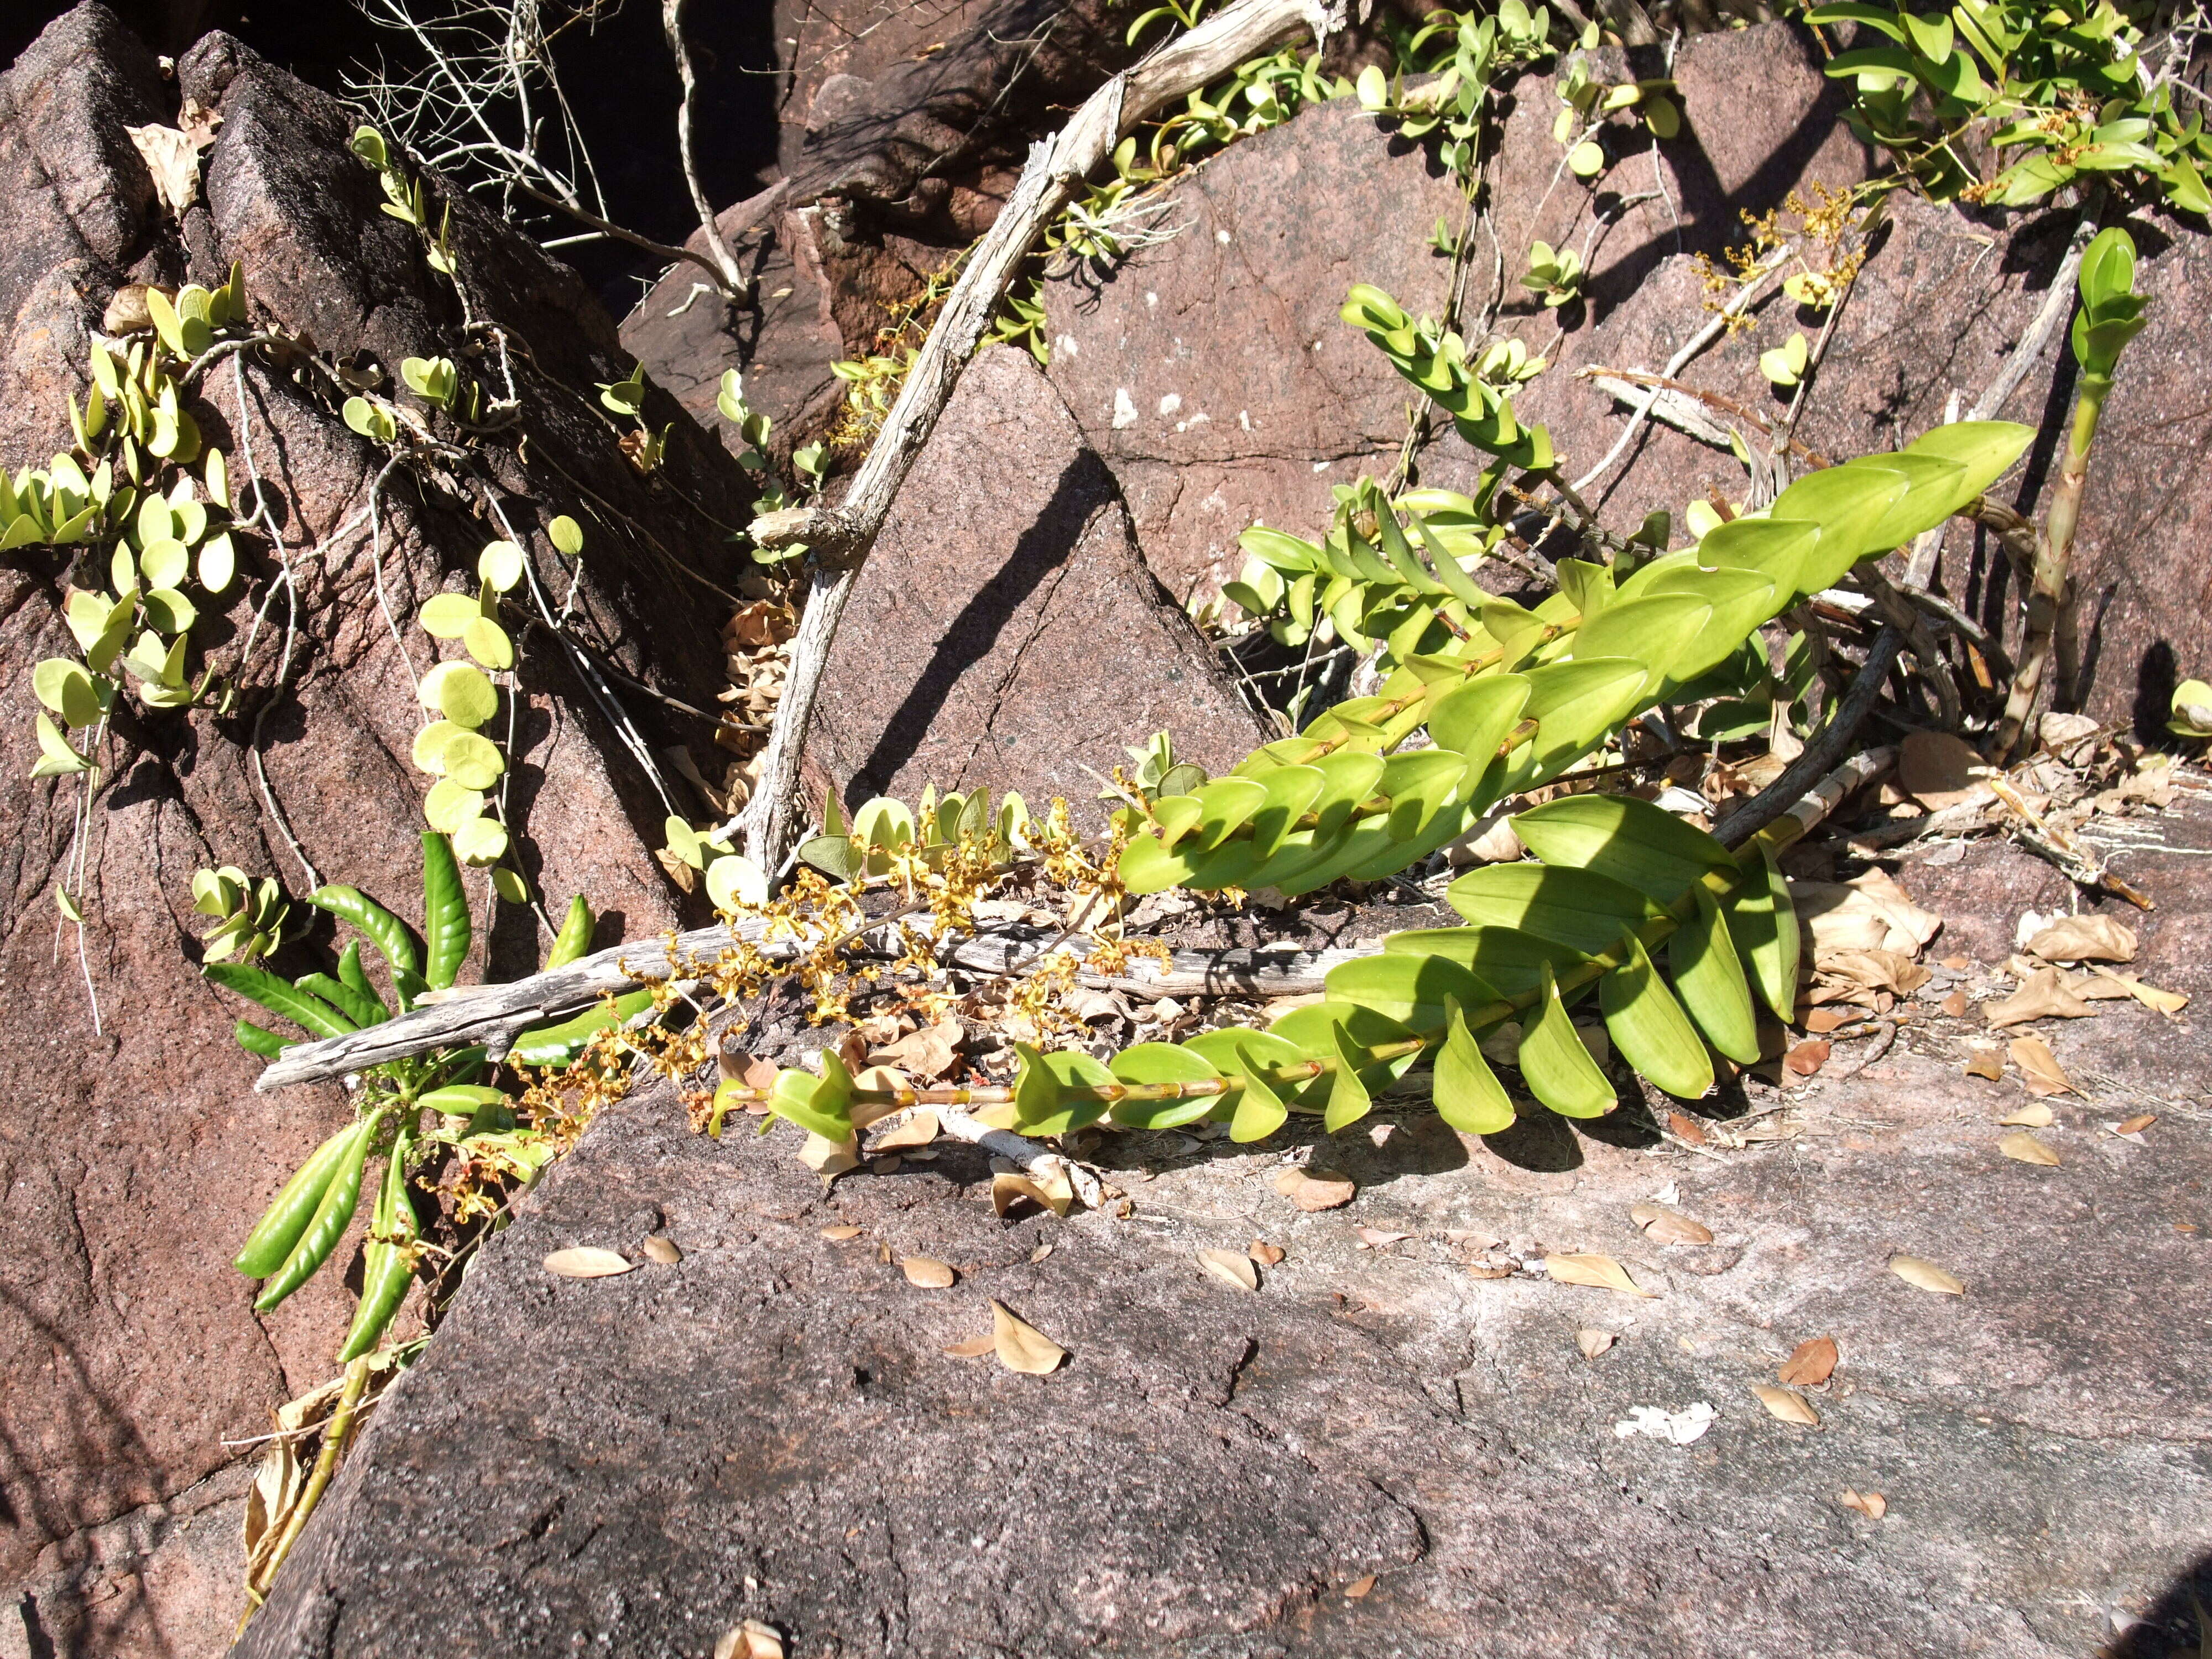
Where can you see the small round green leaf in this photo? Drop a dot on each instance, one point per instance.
(64, 687)
(487, 641)
(480, 842)
(568, 536)
(472, 761)
(501, 565)
(461, 693)
(450, 804)
(447, 616)
(218, 562)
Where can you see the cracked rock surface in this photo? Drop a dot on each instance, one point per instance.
(771, 1428)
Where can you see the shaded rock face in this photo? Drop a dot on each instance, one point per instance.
(135, 1158)
(771, 1428)
(1005, 632)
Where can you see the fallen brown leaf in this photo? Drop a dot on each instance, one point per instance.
(1810, 1364)
(1822, 1021)
(1053, 1193)
(1599, 1271)
(2164, 1002)
(587, 1261)
(2033, 1116)
(2024, 1148)
(828, 1157)
(1265, 1254)
(1039, 1254)
(1023, 1347)
(1984, 1062)
(1668, 1226)
(1871, 1504)
(735, 1065)
(974, 1348)
(838, 1234)
(2045, 995)
(2136, 1125)
(1956, 1005)
(751, 1640)
(662, 1250)
(2039, 1067)
(1683, 1126)
(1227, 1265)
(928, 1272)
(927, 1053)
(1937, 769)
(1925, 1276)
(173, 158)
(918, 1129)
(1784, 1404)
(1958, 964)
(2084, 938)
(1374, 1238)
(1359, 1587)
(1593, 1341)
(1317, 1190)
(1804, 1059)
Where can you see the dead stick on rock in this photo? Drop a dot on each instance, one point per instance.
(839, 539)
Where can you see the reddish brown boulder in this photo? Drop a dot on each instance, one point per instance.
(136, 1157)
(1213, 373)
(1005, 632)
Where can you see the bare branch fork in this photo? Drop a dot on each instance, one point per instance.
(840, 538)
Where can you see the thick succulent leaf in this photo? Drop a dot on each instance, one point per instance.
(1145, 866)
(821, 1105)
(1649, 1028)
(1577, 705)
(1291, 793)
(1931, 485)
(1468, 1095)
(1260, 1110)
(1177, 816)
(1348, 1099)
(1230, 1050)
(1741, 600)
(1656, 630)
(1763, 922)
(1410, 989)
(1984, 449)
(1709, 976)
(1766, 547)
(1574, 908)
(1161, 1062)
(1313, 1030)
(1635, 844)
(1041, 1104)
(1224, 805)
(1473, 717)
(1505, 959)
(1849, 503)
(1558, 1069)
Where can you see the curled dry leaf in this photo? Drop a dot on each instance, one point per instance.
(1789, 1406)
(1265, 1254)
(1684, 1127)
(172, 156)
(924, 1054)
(2136, 1125)
(2039, 1068)
(1359, 1587)
(1810, 1364)
(1984, 1062)
(1871, 1504)
(2164, 1002)
(1957, 1004)
(1227, 1265)
(1039, 1254)
(751, 1640)
(662, 1249)
(1599, 1271)
(1938, 769)
(587, 1261)
(1023, 1347)
(1053, 1192)
(918, 1129)
(1925, 1276)
(735, 1065)
(1806, 1058)
(2024, 1148)
(1668, 1226)
(2084, 938)
(1593, 1341)
(828, 1159)
(928, 1272)
(839, 1234)
(1375, 1238)
(1317, 1190)
(974, 1348)
(2046, 994)
(2034, 1117)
